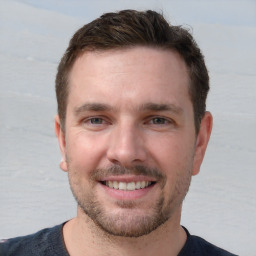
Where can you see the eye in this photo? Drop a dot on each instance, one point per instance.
(95, 123)
(160, 123)
(96, 120)
(159, 120)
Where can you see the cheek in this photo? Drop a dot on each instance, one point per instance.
(84, 152)
(173, 155)
(169, 150)
(177, 164)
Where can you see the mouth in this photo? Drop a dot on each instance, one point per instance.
(128, 186)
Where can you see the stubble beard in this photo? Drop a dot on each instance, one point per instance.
(129, 222)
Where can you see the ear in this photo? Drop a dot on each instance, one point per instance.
(62, 143)
(202, 141)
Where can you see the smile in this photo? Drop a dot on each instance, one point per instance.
(127, 186)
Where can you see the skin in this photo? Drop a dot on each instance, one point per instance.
(129, 108)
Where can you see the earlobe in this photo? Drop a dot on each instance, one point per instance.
(202, 141)
(63, 165)
(62, 143)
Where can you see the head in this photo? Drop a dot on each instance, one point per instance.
(127, 29)
(132, 125)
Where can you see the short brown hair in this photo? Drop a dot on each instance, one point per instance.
(129, 28)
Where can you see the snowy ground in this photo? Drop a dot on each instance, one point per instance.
(34, 193)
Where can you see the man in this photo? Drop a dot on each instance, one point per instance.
(132, 130)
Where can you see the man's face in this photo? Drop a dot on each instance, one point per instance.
(129, 145)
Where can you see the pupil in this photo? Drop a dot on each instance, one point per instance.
(96, 120)
(158, 120)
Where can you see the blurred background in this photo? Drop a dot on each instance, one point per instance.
(34, 192)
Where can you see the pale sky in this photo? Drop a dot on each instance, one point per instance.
(229, 12)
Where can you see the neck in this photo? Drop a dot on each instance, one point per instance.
(83, 237)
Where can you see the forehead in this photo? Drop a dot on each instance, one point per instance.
(139, 73)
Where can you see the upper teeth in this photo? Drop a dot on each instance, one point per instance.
(127, 185)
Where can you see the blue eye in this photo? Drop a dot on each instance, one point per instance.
(96, 120)
(95, 123)
(159, 120)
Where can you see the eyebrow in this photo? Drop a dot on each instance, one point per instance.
(92, 107)
(161, 107)
(144, 107)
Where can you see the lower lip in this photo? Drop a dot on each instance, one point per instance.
(127, 194)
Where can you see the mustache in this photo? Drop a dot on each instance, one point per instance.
(118, 170)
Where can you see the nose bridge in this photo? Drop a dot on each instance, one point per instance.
(126, 146)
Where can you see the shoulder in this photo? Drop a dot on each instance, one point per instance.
(197, 246)
(44, 242)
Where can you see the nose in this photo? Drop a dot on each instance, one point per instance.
(126, 147)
